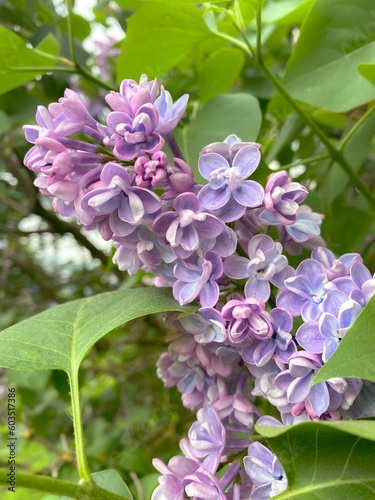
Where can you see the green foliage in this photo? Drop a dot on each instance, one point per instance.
(223, 115)
(60, 337)
(14, 54)
(159, 35)
(324, 460)
(336, 37)
(368, 71)
(219, 72)
(355, 356)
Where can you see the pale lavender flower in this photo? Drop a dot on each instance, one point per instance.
(335, 268)
(324, 336)
(228, 148)
(134, 136)
(197, 277)
(71, 116)
(172, 482)
(169, 114)
(184, 227)
(305, 292)
(266, 265)
(206, 325)
(364, 283)
(305, 233)
(133, 95)
(245, 317)
(297, 382)
(208, 438)
(115, 196)
(265, 471)
(280, 345)
(151, 172)
(282, 198)
(227, 181)
(203, 485)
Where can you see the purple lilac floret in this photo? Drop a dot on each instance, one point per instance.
(237, 346)
(184, 227)
(227, 181)
(265, 265)
(282, 198)
(265, 471)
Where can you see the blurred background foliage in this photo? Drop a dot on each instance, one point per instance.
(324, 54)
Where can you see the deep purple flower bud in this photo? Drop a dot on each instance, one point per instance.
(227, 181)
(169, 114)
(207, 438)
(206, 325)
(282, 196)
(184, 227)
(117, 198)
(228, 148)
(133, 95)
(305, 292)
(134, 136)
(280, 345)
(180, 179)
(245, 316)
(197, 277)
(266, 265)
(151, 172)
(335, 268)
(297, 381)
(265, 471)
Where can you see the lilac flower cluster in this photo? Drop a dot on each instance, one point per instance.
(212, 245)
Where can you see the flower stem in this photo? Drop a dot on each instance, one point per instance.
(305, 161)
(79, 69)
(173, 146)
(83, 469)
(355, 127)
(59, 487)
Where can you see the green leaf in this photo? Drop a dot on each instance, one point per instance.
(110, 480)
(355, 356)
(368, 71)
(335, 38)
(325, 460)
(344, 226)
(223, 115)
(81, 27)
(286, 11)
(15, 54)
(159, 35)
(60, 337)
(219, 73)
